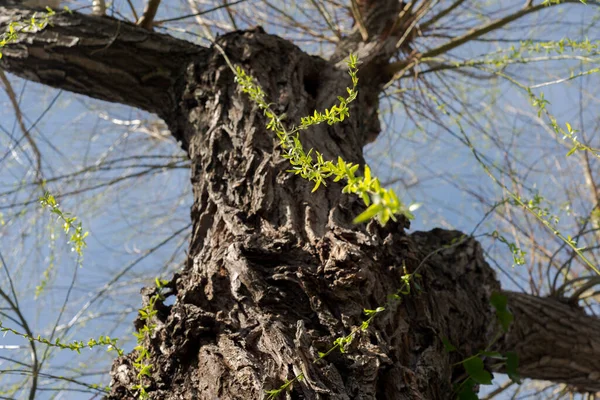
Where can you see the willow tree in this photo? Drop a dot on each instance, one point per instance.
(278, 275)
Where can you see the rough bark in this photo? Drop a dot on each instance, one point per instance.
(274, 272)
(555, 341)
(105, 58)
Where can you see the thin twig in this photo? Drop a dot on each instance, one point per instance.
(358, 18)
(474, 33)
(135, 16)
(19, 116)
(162, 21)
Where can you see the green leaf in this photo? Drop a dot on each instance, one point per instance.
(365, 197)
(505, 317)
(466, 392)
(384, 216)
(369, 213)
(492, 354)
(499, 301)
(449, 347)
(367, 174)
(371, 312)
(512, 363)
(318, 182)
(476, 370)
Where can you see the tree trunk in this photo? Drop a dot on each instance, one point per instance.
(276, 273)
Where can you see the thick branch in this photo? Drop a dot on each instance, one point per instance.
(555, 341)
(101, 58)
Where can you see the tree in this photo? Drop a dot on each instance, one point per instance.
(276, 274)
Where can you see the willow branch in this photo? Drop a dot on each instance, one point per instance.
(12, 97)
(394, 68)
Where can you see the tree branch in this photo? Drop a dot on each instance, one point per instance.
(474, 33)
(441, 14)
(555, 341)
(147, 19)
(100, 57)
(480, 31)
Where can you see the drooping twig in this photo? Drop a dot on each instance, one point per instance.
(19, 116)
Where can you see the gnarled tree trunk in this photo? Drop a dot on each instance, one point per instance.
(276, 273)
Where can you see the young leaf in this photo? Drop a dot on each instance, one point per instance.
(476, 370)
(368, 213)
(512, 363)
(449, 347)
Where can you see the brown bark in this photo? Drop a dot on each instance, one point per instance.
(555, 341)
(100, 57)
(274, 272)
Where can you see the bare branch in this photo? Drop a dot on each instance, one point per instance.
(394, 68)
(554, 340)
(19, 116)
(99, 8)
(147, 19)
(225, 5)
(358, 17)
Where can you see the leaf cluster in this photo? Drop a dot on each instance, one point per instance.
(77, 238)
(35, 24)
(475, 368)
(383, 204)
(76, 345)
(142, 363)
